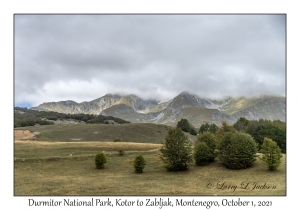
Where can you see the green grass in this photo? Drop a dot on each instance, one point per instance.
(138, 132)
(46, 168)
(45, 150)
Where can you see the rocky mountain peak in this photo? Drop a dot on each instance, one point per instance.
(185, 105)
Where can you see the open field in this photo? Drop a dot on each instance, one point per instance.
(67, 168)
(137, 132)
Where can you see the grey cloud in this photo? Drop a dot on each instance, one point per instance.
(204, 54)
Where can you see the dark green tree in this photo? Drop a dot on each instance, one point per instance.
(184, 125)
(237, 150)
(85, 118)
(193, 131)
(222, 130)
(204, 127)
(271, 154)
(275, 130)
(100, 160)
(213, 128)
(176, 152)
(210, 140)
(139, 164)
(202, 154)
(241, 124)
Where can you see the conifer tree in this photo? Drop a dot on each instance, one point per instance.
(100, 160)
(139, 164)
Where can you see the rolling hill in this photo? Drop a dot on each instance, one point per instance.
(137, 132)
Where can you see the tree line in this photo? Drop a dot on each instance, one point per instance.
(260, 129)
(257, 129)
(235, 149)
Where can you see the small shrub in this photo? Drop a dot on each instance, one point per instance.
(271, 154)
(117, 140)
(100, 160)
(54, 158)
(121, 152)
(139, 164)
(202, 154)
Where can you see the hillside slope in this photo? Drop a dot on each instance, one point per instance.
(137, 132)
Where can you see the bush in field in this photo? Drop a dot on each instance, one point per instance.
(210, 140)
(121, 152)
(100, 160)
(117, 140)
(202, 154)
(139, 164)
(237, 150)
(271, 154)
(176, 153)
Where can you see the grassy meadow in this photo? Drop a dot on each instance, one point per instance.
(137, 132)
(54, 165)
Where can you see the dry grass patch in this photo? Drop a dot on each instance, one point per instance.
(78, 175)
(43, 149)
(23, 135)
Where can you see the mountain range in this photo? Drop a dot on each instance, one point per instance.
(186, 105)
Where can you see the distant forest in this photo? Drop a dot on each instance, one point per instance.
(275, 130)
(258, 129)
(26, 117)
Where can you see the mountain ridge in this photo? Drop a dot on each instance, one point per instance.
(197, 110)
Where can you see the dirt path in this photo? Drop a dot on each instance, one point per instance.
(23, 135)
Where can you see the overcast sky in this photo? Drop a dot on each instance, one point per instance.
(83, 57)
